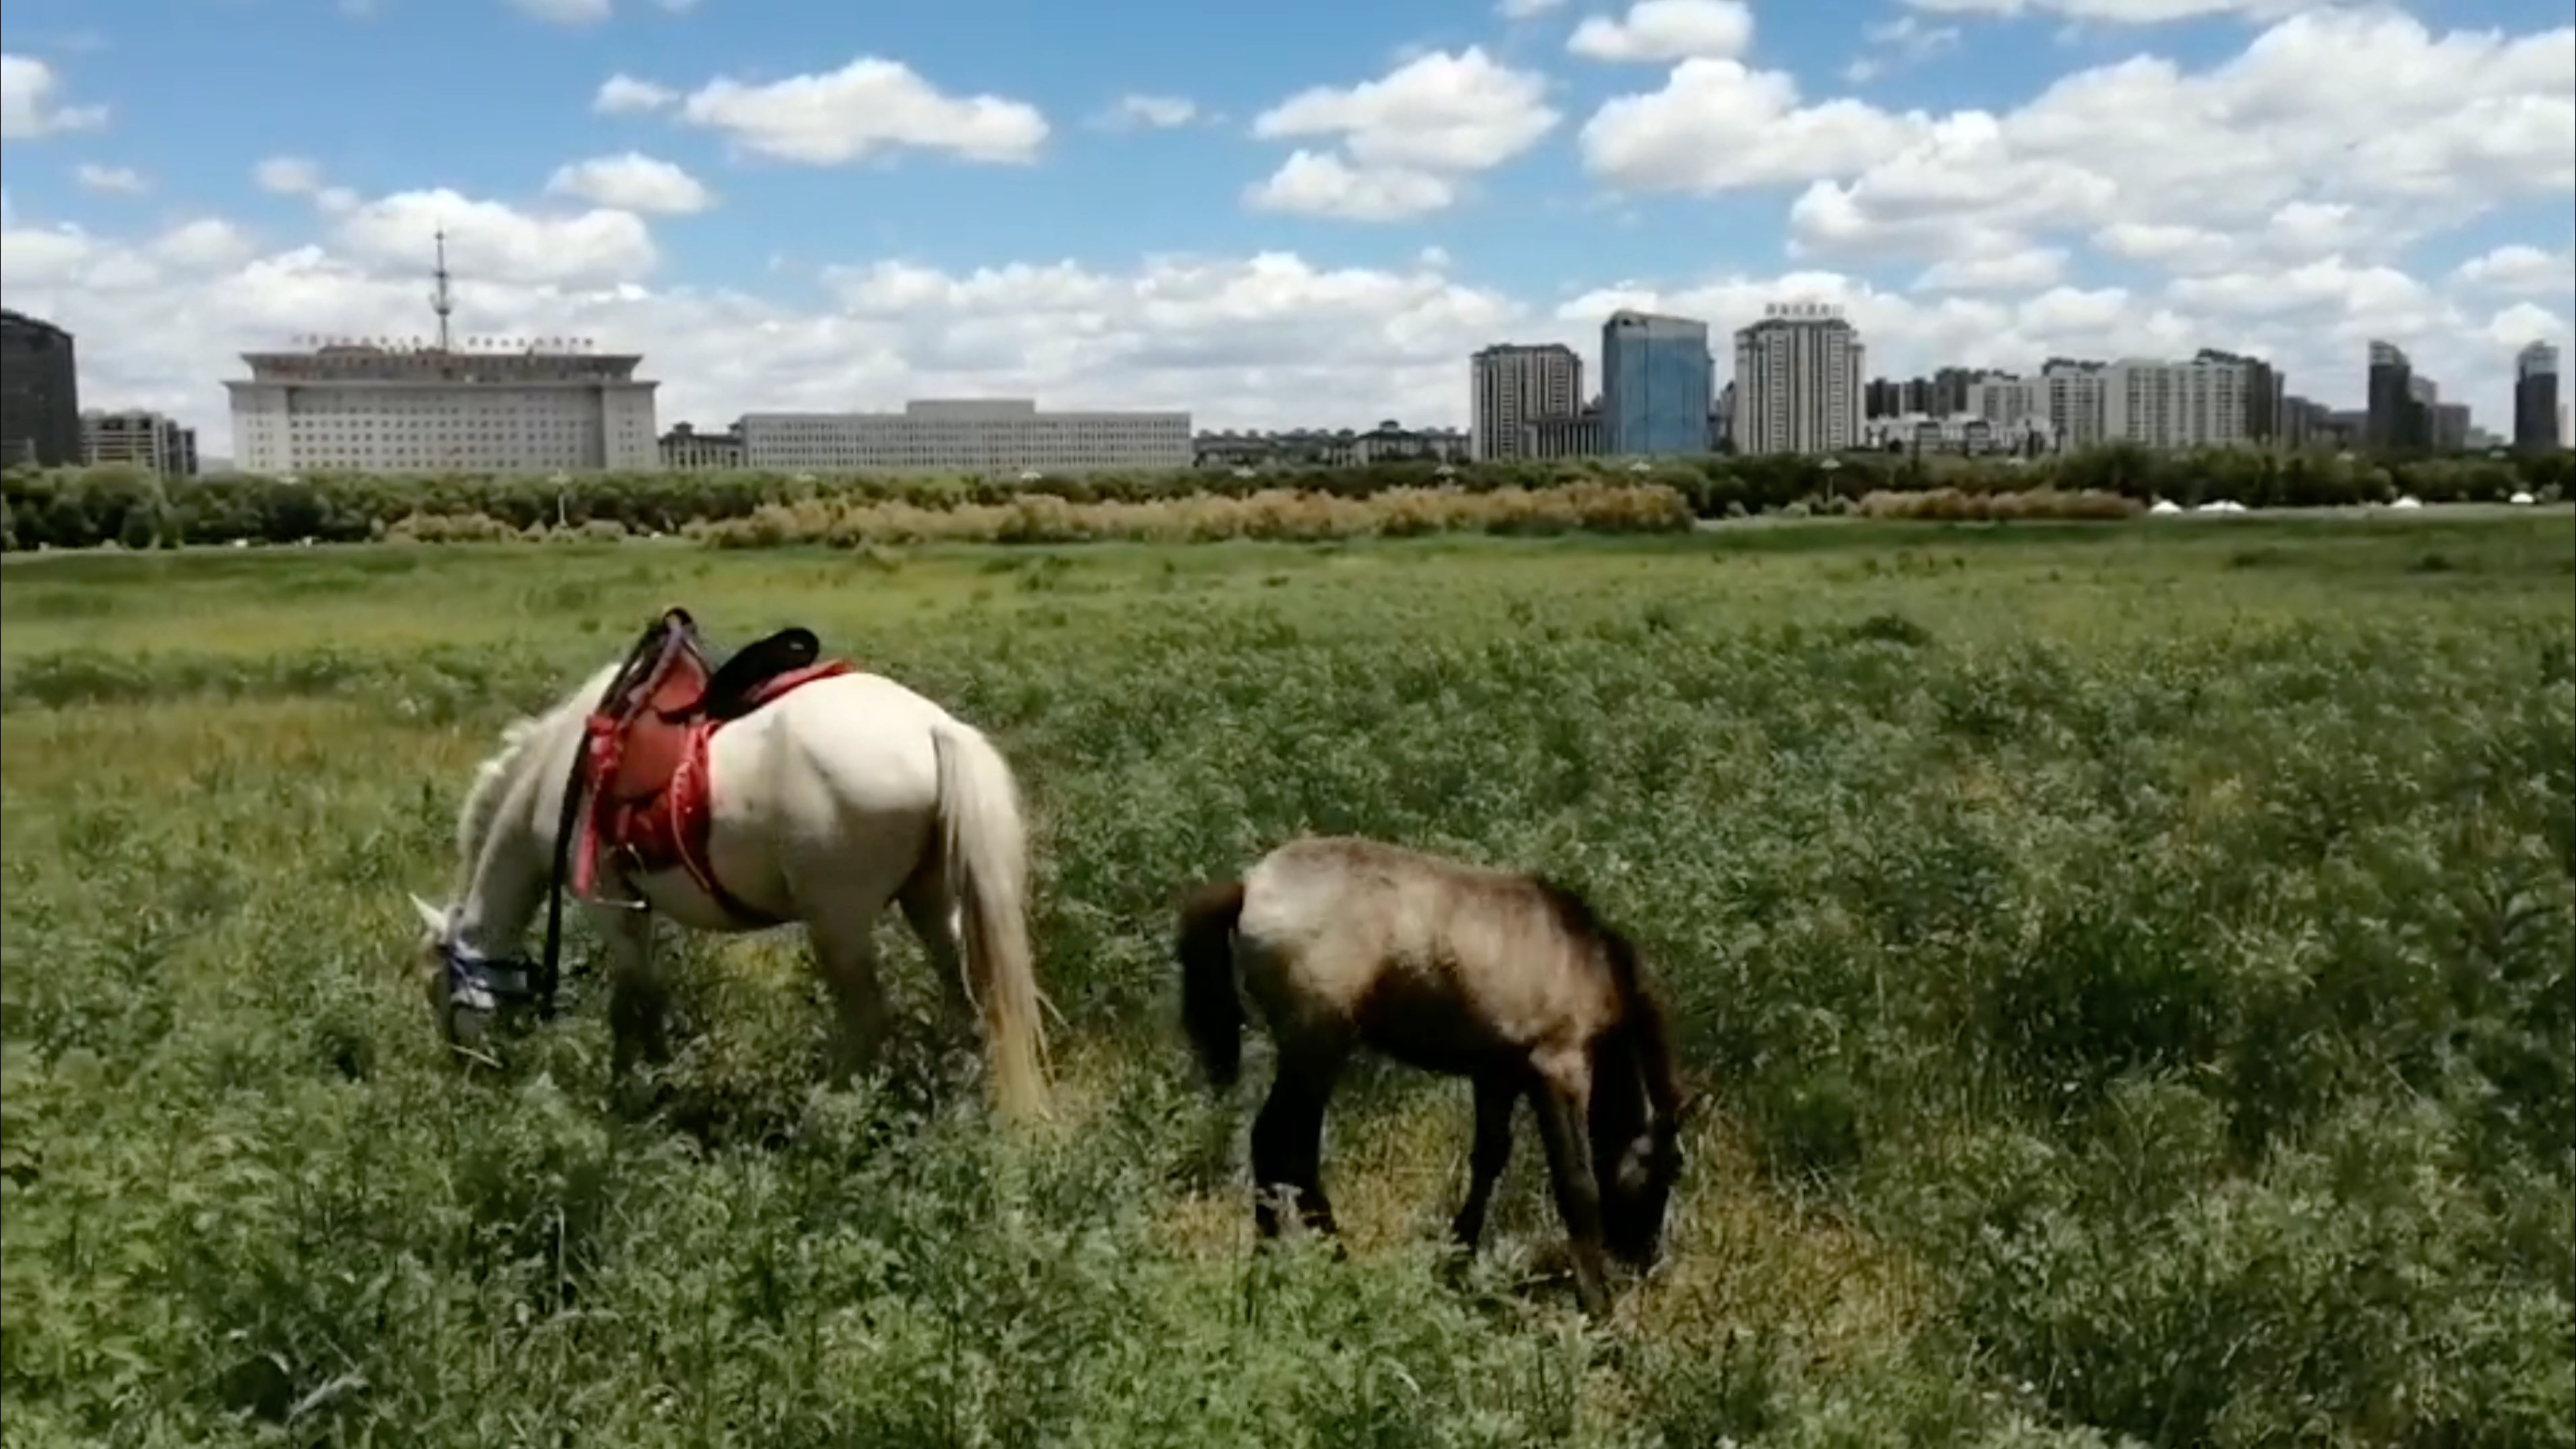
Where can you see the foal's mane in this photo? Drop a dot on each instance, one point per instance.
(1645, 1029)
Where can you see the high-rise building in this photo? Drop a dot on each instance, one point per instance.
(1798, 381)
(2306, 423)
(2005, 400)
(136, 438)
(1511, 385)
(2398, 418)
(2202, 403)
(381, 406)
(2074, 390)
(2450, 427)
(1886, 397)
(40, 421)
(2536, 412)
(2265, 392)
(1657, 383)
(1942, 395)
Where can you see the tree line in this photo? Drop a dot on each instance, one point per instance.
(88, 507)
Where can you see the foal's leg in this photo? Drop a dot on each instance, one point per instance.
(1560, 1110)
(1496, 1095)
(845, 953)
(1288, 1140)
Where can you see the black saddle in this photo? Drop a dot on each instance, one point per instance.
(735, 685)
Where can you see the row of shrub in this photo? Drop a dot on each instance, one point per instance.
(83, 508)
(1594, 507)
(1952, 505)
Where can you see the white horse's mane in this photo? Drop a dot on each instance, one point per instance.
(492, 778)
(483, 797)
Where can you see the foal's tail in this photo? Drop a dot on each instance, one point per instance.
(1210, 1010)
(983, 847)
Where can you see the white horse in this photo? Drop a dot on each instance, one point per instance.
(828, 802)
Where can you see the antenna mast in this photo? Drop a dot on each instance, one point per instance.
(440, 301)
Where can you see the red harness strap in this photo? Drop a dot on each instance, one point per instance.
(665, 823)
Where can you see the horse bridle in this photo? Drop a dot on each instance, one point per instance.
(487, 983)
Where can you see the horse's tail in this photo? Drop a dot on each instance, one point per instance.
(1210, 1010)
(984, 854)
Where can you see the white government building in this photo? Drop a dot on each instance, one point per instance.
(989, 436)
(374, 408)
(381, 406)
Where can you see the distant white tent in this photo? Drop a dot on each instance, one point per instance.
(2164, 505)
(2520, 495)
(2221, 505)
(2408, 501)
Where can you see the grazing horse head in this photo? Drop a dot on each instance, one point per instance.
(504, 838)
(1636, 1110)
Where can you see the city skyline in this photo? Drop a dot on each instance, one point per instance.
(1285, 224)
(466, 405)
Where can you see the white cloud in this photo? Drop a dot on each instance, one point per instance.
(565, 12)
(1405, 137)
(203, 245)
(1719, 125)
(1526, 9)
(1320, 183)
(1655, 31)
(632, 181)
(624, 95)
(1147, 112)
(2031, 269)
(111, 180)
(2120, 12)
(868, 108)
(1897, 43)
(2524, 323)
(488, 241)
(2519, 270)
(31, 106)
(2273, 153)
(287, 176)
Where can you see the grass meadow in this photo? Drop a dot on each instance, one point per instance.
(2130, 964)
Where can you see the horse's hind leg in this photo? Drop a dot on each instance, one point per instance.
(1497, 1093)
(846, 956)
(1288, 1140)
(932, 912)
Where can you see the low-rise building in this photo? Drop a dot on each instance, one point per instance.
(686, 450)
(995, 437)
(138, 438)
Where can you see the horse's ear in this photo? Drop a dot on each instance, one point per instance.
(430, 916)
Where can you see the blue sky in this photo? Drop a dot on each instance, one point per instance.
(487, 99)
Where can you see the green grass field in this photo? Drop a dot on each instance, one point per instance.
(2130, 964)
